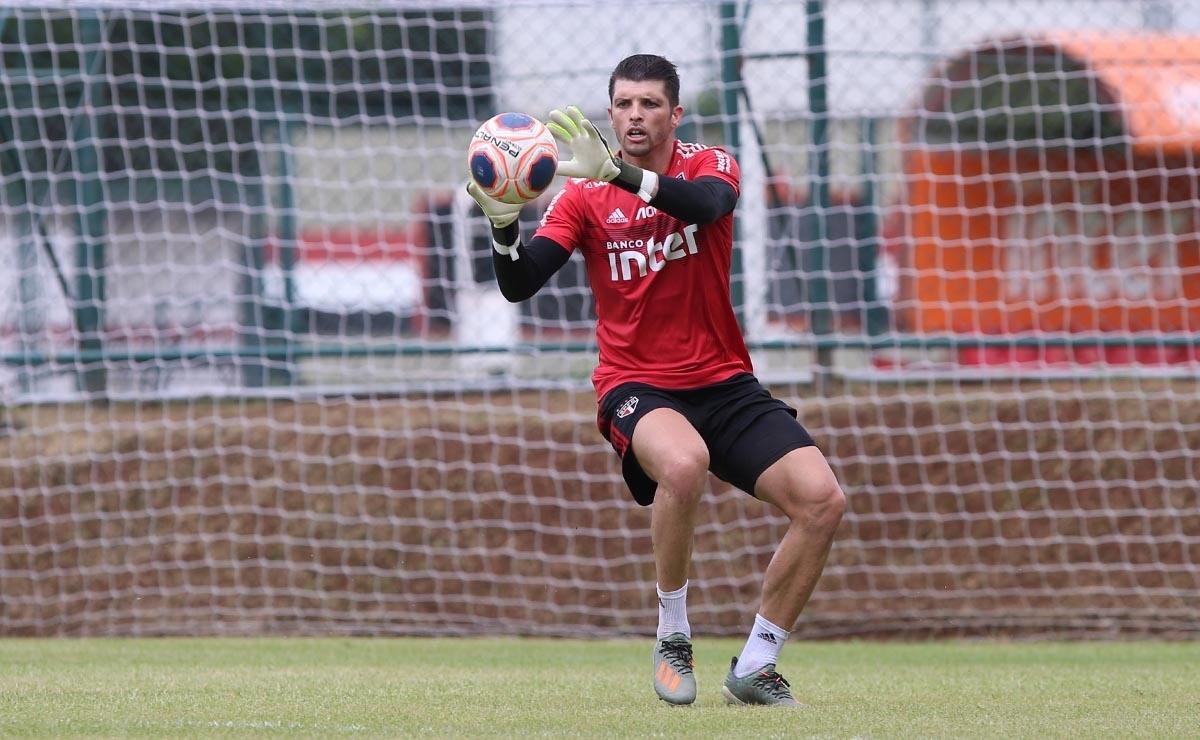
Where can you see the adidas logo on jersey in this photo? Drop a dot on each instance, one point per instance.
(617, 217)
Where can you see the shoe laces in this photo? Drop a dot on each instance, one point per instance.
(774, 684)
(679, 654)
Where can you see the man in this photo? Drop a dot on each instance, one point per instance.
(676, 395)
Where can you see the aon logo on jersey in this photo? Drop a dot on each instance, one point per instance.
(632, 258)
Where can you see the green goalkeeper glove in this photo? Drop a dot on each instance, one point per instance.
(503, 217)
(500, 214)
(592, 158)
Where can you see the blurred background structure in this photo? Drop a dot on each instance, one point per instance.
(255, 374)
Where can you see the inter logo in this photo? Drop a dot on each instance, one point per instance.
(637, 257)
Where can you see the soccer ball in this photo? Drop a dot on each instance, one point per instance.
(512, 157)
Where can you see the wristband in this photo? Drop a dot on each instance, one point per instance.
(649, 186)
(644, 183)
(506, 240)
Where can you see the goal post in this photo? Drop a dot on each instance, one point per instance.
(256, 377)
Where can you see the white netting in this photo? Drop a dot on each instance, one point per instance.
(256, 375)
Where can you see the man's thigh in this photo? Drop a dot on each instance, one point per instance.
(623, 416)
(664, 439)
(799, 479)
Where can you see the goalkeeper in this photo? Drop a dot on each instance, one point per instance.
(677, 397)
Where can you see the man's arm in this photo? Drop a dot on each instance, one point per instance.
(522, 269)
(700, 201)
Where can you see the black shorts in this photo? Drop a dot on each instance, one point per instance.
(745, 428)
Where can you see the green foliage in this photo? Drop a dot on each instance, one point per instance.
(1019, 96)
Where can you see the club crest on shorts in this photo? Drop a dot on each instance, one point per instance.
(627, 407)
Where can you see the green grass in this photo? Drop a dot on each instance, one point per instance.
(517, 688)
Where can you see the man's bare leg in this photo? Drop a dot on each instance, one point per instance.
(672, 453)
(803, 486)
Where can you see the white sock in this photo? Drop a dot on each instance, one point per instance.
(672, 612)
(766, 640)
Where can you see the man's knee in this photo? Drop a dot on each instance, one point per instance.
(808, 494)
(682, 474)
(826, 504)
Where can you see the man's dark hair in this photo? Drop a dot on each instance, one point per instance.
(641, 67)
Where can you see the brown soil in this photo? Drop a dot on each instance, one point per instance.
(1044, 509)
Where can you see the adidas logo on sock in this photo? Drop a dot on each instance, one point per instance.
(768, 637)
(617, 217)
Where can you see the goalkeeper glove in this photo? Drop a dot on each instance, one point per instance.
(591, 157)
(500, 214)
(503, 217)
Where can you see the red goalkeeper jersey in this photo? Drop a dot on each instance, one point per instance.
(665, 316)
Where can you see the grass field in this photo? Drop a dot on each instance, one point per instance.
(516, 687)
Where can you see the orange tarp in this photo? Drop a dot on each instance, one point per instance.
(1001, 245)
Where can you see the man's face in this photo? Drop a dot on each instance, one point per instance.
(642, 116)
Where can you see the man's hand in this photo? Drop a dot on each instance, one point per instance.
(500, 214)
(591, 157)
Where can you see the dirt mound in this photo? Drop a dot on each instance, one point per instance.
(1052, 509)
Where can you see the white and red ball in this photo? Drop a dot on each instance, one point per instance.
(512, 157)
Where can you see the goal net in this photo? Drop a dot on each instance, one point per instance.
(256, 375)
